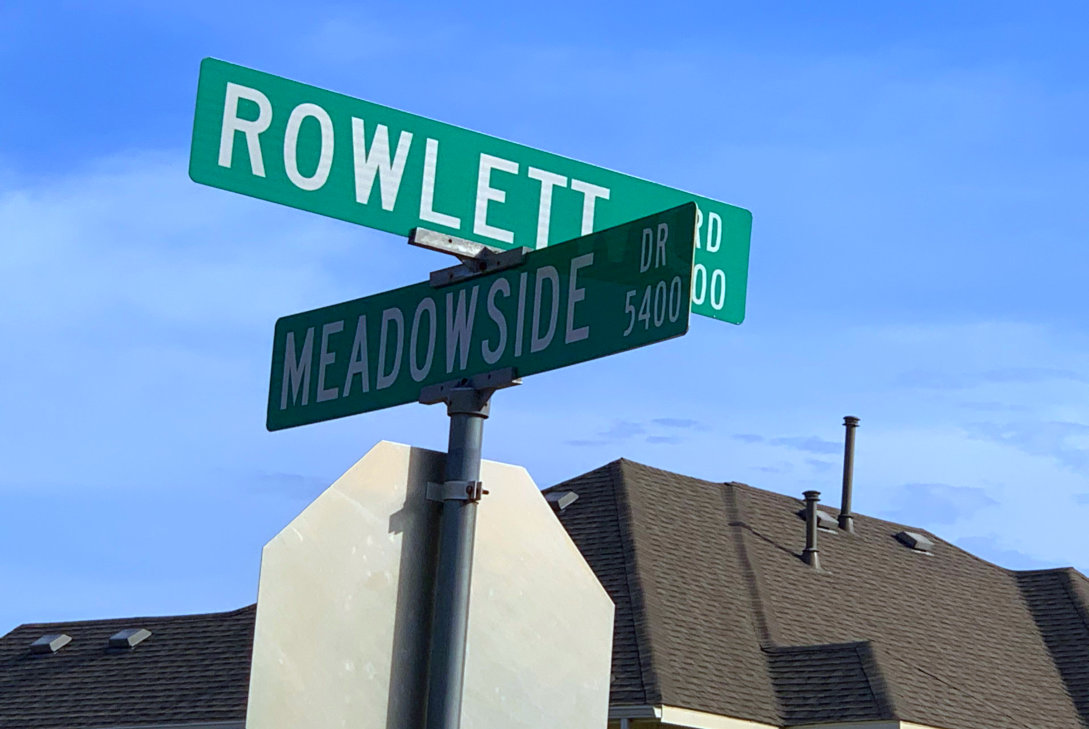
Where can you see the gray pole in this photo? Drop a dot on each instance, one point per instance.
(846, 518)
(811, 555)
(467, 408)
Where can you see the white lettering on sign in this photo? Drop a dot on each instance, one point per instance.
(590, 194)
(713, 234)
(327, 358)
(575, 295)
(357, 362)
(700, 286)
(419, 372)
(659, 301)
(551, 275)
(377, 162)
(459, 327)
(718, 289)
(427, 192)
(518, 322)
(492, 355)
(485, 193)
(392, 316)
(291, 146)
(249, 128)
(548, 180)
(380, 162)
(297, 369)
(649, 255)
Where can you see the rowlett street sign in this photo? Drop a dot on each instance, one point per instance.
(316, 150)
(607, 292)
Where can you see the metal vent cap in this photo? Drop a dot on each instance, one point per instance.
(560, 500)
(50, 643)
(129, 637)
(825, 521)
(916, 541)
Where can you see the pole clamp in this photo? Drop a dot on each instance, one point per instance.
(455, 491)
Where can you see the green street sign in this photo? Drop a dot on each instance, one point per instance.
(316, 150)
(603, 293)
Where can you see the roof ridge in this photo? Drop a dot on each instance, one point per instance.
(652, 686)
(835, 511)
(1046, 571)
(568, 483)
(763, 619)
(882, 690)
(134, 618)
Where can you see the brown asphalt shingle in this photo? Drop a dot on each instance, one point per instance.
(1057, 601)
(739, 625)
(828, 683)
(192, 668)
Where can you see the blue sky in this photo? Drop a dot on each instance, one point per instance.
(917, 176)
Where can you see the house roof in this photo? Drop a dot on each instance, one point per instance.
(715, 612)
(193, 668)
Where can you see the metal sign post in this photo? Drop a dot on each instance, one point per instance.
(467, 403)
(467, 407)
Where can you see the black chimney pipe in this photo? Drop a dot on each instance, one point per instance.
(810, 555)
(846, 518)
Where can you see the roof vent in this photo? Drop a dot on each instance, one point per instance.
(560, 500)
(129, 637)
(811, 555)
(915, 541)
(50, 643)
(825, 521)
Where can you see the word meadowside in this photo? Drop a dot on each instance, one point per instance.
(597, 295)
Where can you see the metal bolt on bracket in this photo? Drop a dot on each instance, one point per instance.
(456, 491)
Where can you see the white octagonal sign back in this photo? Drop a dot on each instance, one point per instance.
(343, 608)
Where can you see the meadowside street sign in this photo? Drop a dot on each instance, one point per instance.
(597, 295)
(316, 150)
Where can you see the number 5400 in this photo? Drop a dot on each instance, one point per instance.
(658, 302)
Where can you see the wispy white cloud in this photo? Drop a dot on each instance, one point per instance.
(808, 444)
(946, 380)
(1068, 443)
(937, 503)
(995, 548)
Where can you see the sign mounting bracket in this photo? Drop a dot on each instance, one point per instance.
(476, 259)
(484, 382)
